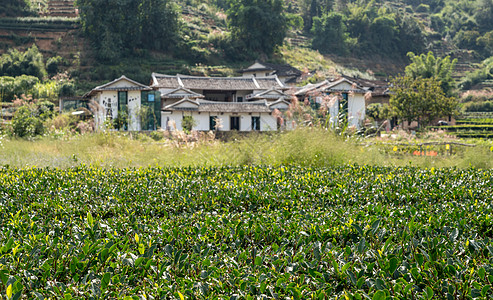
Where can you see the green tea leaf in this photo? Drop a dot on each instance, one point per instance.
(379, 295)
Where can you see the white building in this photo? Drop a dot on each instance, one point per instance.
(341, 96)
(127, 104)
(222, 103)
(179, 101)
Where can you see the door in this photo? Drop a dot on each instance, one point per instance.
(235, 123)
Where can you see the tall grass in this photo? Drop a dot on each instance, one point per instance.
(306, 147)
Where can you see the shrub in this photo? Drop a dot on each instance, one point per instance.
(53, 64)
(486, 106)
(16, 63)
(188, 123)
(29, 118)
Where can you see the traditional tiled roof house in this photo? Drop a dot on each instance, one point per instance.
(123, 101)
(176, 101)
(223, 103)
(287, 74)
(343, 97)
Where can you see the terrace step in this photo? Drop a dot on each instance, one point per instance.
(62, 8)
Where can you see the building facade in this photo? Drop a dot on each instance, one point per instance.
(178, 102)
(125, 104)
(343, 98)
(220, 103)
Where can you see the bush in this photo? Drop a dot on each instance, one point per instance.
(188, 123)
(16, 86)
(28, 119)
(377, 111)
(30, 62)
(25, 122)
(486, 106)
(53, 64)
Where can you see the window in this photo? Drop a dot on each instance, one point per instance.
(255, 123)
(239, 99)
(212, 122)
(235, 123)
(344, 103)
(150, 97)
(121, 120)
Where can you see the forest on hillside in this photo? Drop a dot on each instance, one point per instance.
(236, 32)
(249, 29)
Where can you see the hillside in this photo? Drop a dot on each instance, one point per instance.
(459, 29)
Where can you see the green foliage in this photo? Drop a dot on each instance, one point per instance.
(12, 87)
(420, 99)
(257, 26)
(356, 232)
(485, 106)
(484, 72)
(29, 118)
(16, 63)
(188, 123)
(53, 64)
(121, 121)
(314, 8)
(329, 33)
(366, 27)
(119, 28)
(429, 66)
(16, 8)
(16, 86)
(377, 111)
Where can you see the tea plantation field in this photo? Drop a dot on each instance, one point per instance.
(352, 232)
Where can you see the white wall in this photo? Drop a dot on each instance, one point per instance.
(267, 121)
(356, 108)
(134, 102)
(108, 101)
(356, 111)
(242, 94)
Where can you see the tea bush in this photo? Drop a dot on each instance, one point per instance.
(246, 233)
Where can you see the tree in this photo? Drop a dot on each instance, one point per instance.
(429, 66)
(329, 33)
(420, 99)
(16, 63)
(16, 86)
(258, 25)
(29, 118)
(119, 27)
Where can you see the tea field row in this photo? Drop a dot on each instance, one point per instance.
(352, 232)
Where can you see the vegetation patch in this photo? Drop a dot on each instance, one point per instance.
(246, 232)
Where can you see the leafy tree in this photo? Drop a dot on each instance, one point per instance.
(53, 64)
(16, 63)
(16, 86)
(314, 8)
(159, 23)
(420, 99)
(120, 27)
(329, 33)
(258, 26)
(429, 66)
(484, 15)
(17, 8)
(29, 118)
(384, 33)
